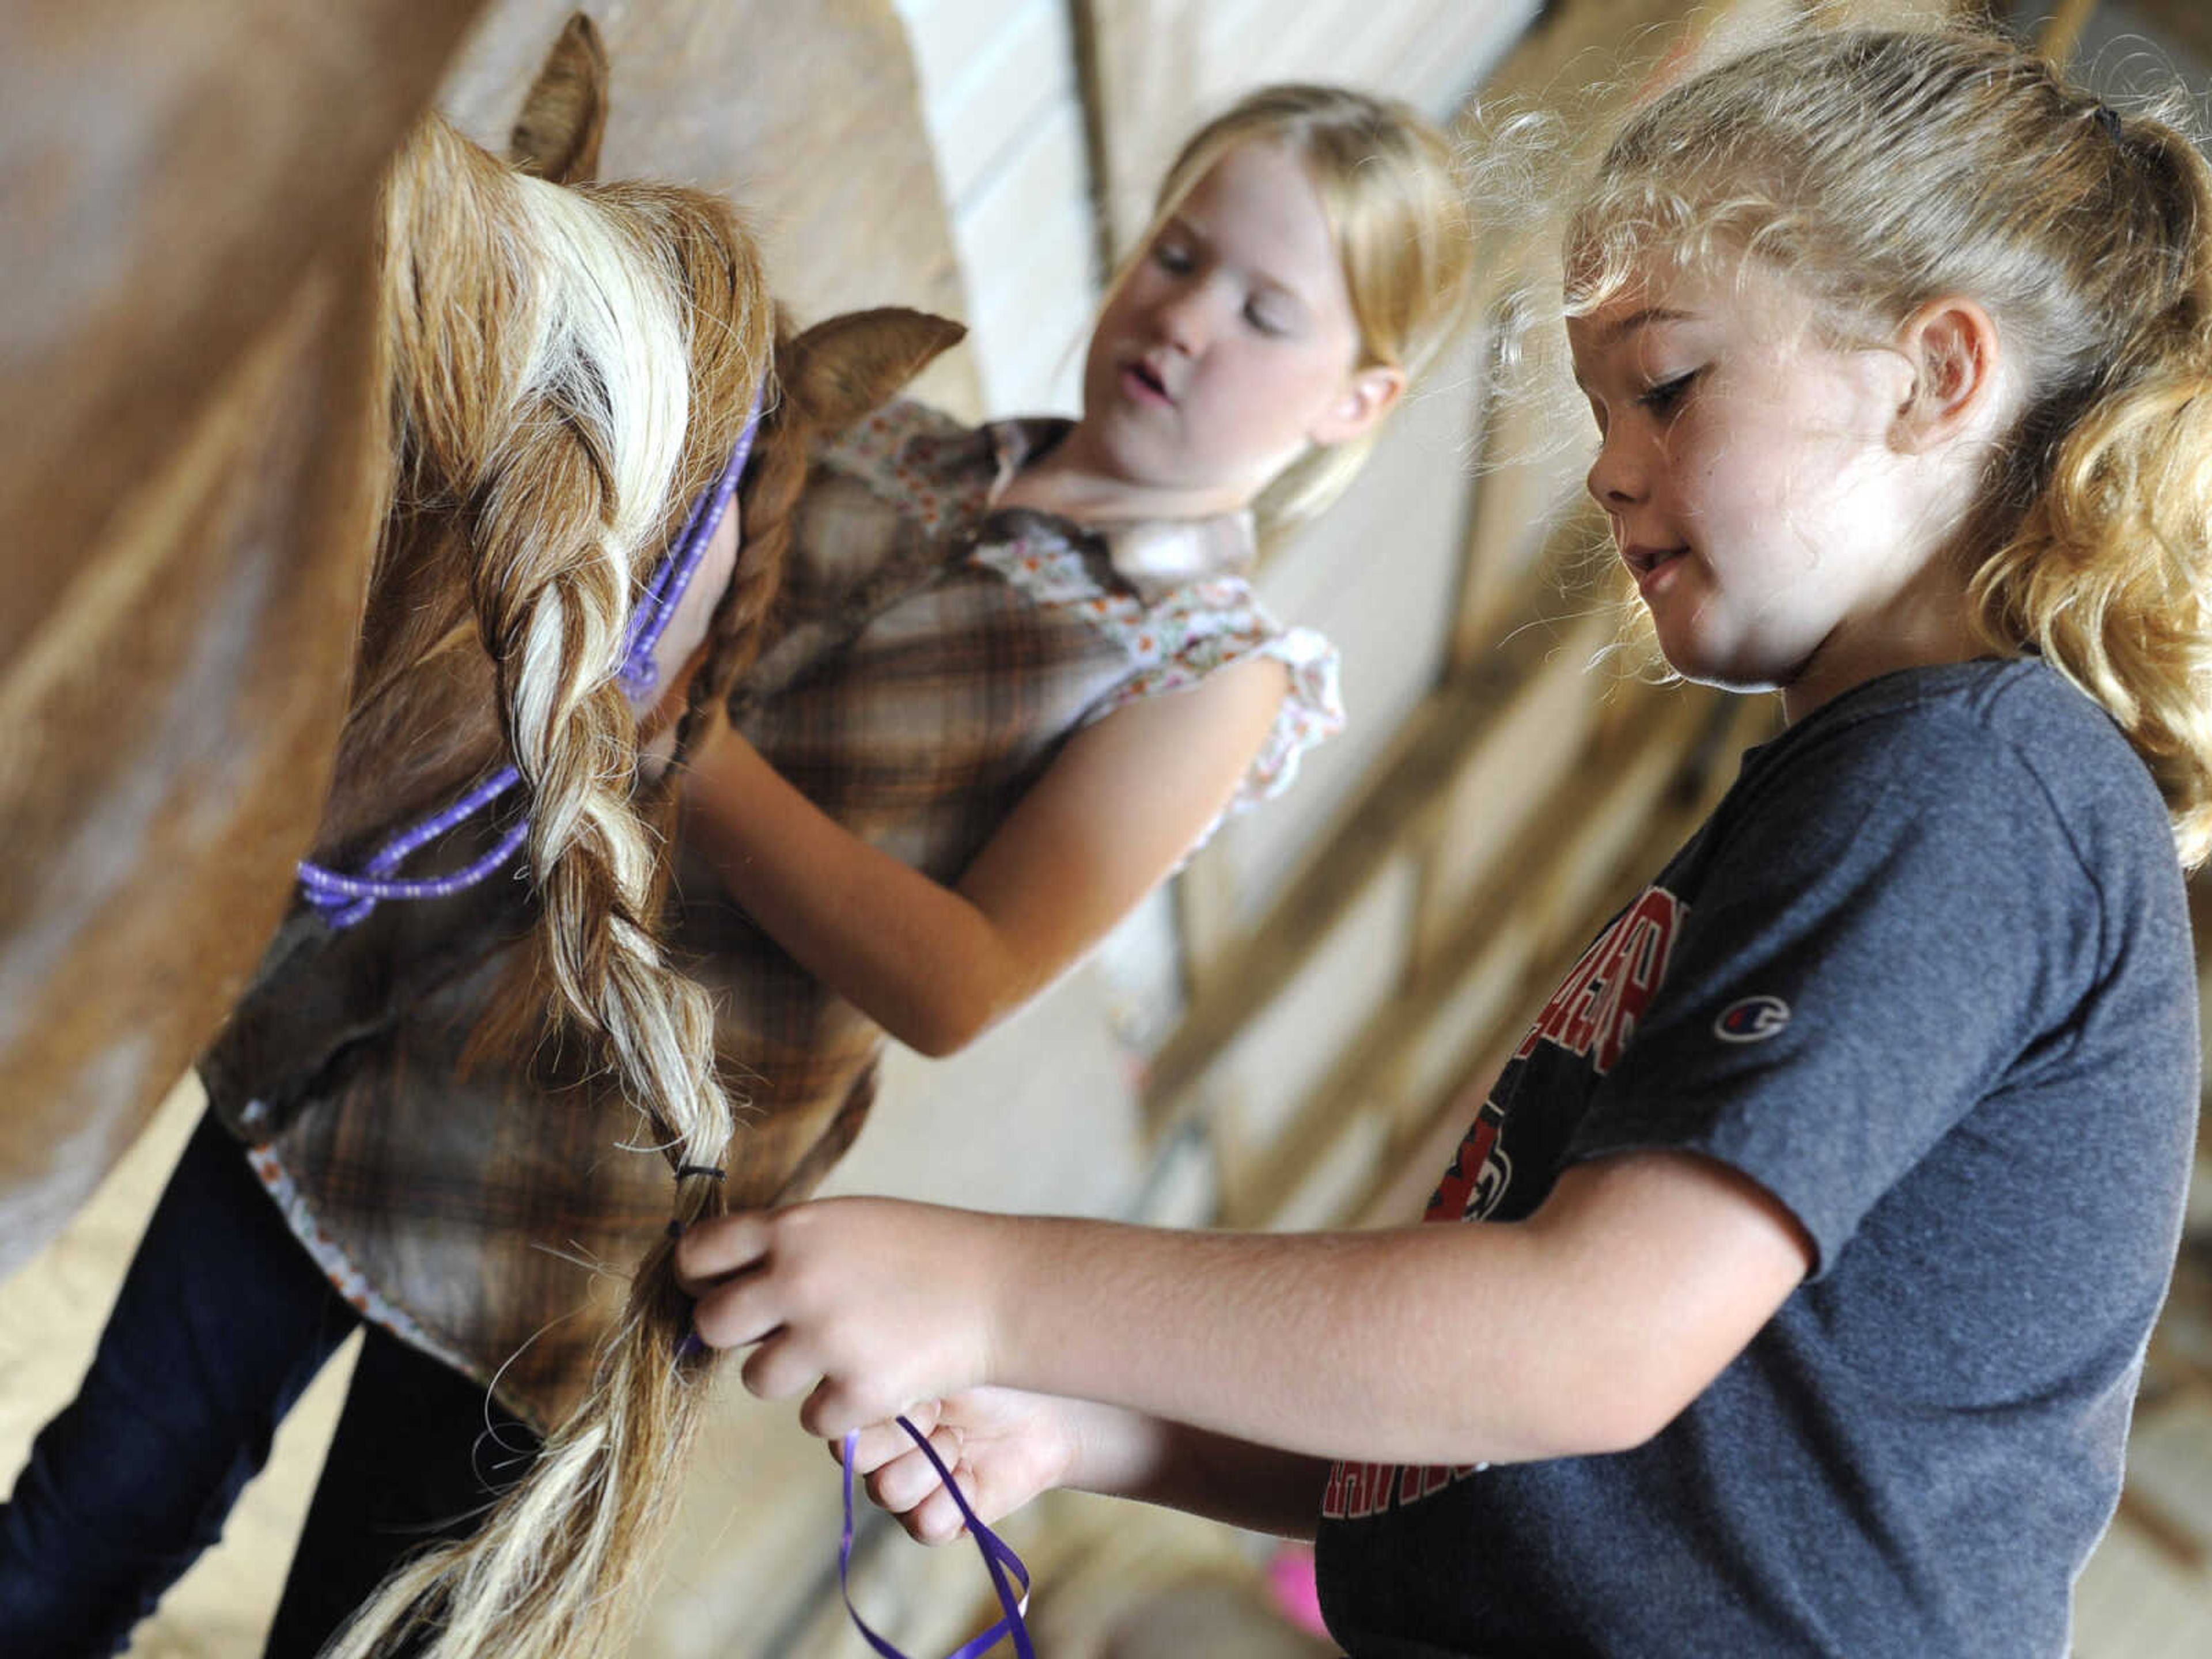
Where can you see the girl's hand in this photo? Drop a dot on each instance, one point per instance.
(866, 1305)
(1004, 1447)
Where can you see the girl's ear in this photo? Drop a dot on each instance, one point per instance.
(1359, 407)
(1952, 346)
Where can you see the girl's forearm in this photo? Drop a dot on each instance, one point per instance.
(915, 956)
(1127, 1454)
(1322, 1344)
(1583, 1330)
(1120, 802)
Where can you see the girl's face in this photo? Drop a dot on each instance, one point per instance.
(1230, 345)
(1778, 528)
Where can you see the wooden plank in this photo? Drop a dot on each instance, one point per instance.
(1001, 99)
(1593, 828)
(2061, 31)
(1410, 789)
(1260, 1081)
(1528, 509)
(1158, 67)
(1509, 775)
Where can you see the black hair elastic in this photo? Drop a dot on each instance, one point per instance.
(2109, 118)
(685, 1171)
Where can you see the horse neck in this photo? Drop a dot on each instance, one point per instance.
(423, 723)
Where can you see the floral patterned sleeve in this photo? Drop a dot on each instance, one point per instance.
(1209, 625)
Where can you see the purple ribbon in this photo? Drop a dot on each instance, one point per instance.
(998, 1559)
(346, 899)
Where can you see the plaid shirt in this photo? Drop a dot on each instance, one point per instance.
(931, 655)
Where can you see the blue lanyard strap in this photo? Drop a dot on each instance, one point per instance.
(998, 1559)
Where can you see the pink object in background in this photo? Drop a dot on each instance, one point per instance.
(1292, 1587)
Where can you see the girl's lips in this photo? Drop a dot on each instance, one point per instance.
(1142, 386)
(1654, 568)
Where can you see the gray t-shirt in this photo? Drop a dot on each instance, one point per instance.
(1925, 976)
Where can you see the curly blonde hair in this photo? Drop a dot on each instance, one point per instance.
(1879, 169)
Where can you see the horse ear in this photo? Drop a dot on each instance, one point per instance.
(842, 368)
(565, 114)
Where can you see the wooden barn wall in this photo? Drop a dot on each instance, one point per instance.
(807, 117)
(1160, 66)
(1004, 110)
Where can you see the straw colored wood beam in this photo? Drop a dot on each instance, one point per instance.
(1535, 901)
(2061, 33)
(1399, 811)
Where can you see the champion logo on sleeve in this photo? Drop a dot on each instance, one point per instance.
(1752, 1019)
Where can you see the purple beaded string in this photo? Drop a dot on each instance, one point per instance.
(998, 1558)
(346, 899)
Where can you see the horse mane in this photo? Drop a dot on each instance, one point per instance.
(569, 366)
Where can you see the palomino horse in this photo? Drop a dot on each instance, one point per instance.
(557, 374)
(186, 472)
(555, 1568)
(552, 378)
(187, 466)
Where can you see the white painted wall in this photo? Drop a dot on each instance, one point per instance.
(1004, 112)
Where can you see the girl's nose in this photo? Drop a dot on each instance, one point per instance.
(1615, 478)
(1180, 319)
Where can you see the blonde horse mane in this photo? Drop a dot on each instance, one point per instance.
(568, 367)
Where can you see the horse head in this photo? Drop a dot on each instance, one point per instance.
(569, 365)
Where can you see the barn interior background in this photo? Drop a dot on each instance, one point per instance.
(1289, 1035)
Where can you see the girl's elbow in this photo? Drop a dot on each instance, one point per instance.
(1606, 1410)
(937, 1039)
(944, 1024)
(961, 996)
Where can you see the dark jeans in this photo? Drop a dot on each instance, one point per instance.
(221, 1322)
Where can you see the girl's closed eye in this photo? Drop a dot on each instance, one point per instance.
(1664, 397)
(1173, 258)
(1266, 319)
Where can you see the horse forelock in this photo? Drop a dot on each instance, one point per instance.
(612, 352)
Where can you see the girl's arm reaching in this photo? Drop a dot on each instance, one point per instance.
(936, 966)
(1583, 1330)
